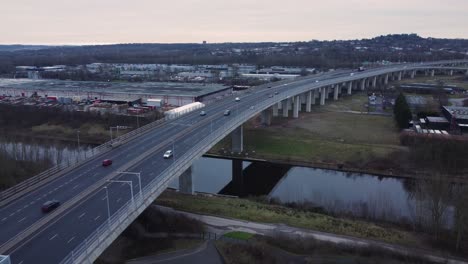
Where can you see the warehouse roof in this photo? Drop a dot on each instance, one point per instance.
(152, 88)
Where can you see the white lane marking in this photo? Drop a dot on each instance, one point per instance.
(118, 200)
(71, 239)
(81, 215)
(123, 184)
(103, 198)
(22, 219)
(12, 214)
(53, 237)
(136, 185)
(4, 219)
(21, 262)
(31, 203)
(74, 187)
(26, 206)
(97, 217)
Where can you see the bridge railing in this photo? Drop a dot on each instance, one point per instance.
(82, 157)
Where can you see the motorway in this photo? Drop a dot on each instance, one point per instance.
(59, 236)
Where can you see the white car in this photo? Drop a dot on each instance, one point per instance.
(237, 99)
(167, 154)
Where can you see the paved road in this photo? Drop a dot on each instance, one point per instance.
(206, 253)
(54, 241)
(225, 225)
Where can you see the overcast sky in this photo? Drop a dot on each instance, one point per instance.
(168, 21)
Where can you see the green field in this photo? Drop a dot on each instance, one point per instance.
(239, 235)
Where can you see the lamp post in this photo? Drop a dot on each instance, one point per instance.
(138, 174)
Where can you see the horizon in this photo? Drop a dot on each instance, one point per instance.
(229, 42)
(87, 22)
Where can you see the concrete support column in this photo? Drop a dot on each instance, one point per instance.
(327, 92)
(315, 94)
(297, 105)
(309, 102)
(237, 140)
(323, 91)
(374, 82)
(451, 72)
(266, 117)
(285, 107)
(363, 84)
(386, 79)
(432, 73)
(280, 105)
(275, 110)
(400, 74)
(335, 92)
(413, 74)
(289, 103)
(350, 87)
(186, 182)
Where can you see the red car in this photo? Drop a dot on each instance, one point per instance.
(106, 162)
(49, 206)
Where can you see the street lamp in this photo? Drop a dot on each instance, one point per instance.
(130, 184)
(138, 174)
(117, 128)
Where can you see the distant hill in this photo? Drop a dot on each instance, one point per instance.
(18, 47)
(314, 53)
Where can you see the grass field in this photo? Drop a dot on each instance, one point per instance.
(267, 213)
(239, 235)
(328, 134)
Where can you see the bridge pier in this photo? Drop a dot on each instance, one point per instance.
(285, 107)
(275, 110)
(386, 79)
(363, 84)
(374, 82)
(327, 92)
(265, 117)
(451, 72)
(335, 91)
(432, 73)
(309, 101)
(297, 105)
(186, 182)
(237, 140)
(322, 95)
(350, 87)
(413, 74)
(400, 74)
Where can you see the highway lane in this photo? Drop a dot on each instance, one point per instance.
(258, 94)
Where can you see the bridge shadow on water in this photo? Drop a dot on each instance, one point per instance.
(258, 178)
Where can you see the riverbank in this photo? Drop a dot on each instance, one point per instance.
(269, 213)
(266, 219)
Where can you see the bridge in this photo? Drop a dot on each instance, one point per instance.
(98, 203)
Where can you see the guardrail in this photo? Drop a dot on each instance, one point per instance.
(81, 159)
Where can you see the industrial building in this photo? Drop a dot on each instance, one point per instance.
(170, 94)
(457, 114)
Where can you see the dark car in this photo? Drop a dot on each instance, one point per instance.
(276, 92)
(227, 112)
(106, 162)
(49, 206)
